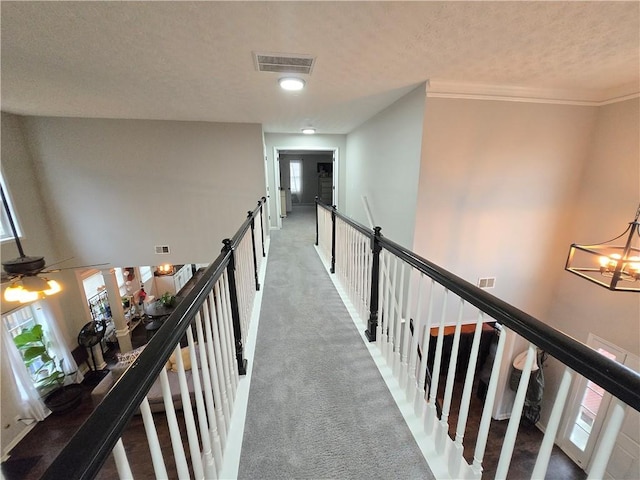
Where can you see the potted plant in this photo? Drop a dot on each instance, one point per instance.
(47, 374)
(166, 300)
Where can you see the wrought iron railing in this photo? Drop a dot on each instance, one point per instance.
(218, 309)
(403, 301)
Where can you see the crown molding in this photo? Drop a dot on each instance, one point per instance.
(509, 93)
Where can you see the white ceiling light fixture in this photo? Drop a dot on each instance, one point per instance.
(309, 130)
(291, 84)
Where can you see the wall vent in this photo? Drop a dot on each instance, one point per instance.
(162, 249)
(283, 63)
(487, 282)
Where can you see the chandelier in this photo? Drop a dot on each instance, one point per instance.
(611, 265)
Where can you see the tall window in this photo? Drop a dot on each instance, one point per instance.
(5, 228)
(295, 173)
(39, 367)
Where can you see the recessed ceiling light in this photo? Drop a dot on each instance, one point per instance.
(308, 131)
(291, 83)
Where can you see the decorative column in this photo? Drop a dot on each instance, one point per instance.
(117, 312)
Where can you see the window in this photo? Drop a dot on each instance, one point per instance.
(145, 274)
(17, 322)
(51, 365)
(295, 173)
(5, 227)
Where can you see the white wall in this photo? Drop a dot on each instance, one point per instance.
(383, 163)
(497, 181)
(497, 184)
(608, 196)
(117, 188)
(20, 177)
(110, 190)
(302, 142)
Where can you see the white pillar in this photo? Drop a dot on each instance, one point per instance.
(117, 312)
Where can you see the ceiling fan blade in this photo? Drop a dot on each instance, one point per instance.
(55, 270)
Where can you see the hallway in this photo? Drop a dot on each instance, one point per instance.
(318, 407)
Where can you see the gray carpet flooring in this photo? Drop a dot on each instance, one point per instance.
(318, 407)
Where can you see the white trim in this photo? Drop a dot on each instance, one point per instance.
(233, 449)
(303, 148)
(508, 93)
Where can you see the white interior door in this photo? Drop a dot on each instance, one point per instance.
(588, 410)
(624, 462)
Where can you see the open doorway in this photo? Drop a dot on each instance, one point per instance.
(304, 175)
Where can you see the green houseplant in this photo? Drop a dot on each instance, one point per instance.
(166, 300)
(46, 372)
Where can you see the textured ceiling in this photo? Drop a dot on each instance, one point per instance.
(193, 60)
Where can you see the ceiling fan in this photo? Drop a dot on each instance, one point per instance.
(24, 272)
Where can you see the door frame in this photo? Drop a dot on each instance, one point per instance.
(303, 148)
(580, 457)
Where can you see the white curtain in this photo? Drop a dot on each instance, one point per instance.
(46, 316)
(27, 397)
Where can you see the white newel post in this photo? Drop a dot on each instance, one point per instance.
(117, 312)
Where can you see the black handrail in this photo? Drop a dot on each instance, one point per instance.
(235, 240)
(614, 377)
(86, 452)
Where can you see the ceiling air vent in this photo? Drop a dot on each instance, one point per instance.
(283, 63)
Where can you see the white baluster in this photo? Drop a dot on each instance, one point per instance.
(381, 302)
(223, 368)
(456, 453)
(393, 309)
(607, 440)
(413, 352)
(432, 415)
(516, 413)
(189, 420)
(216, 444)
(406, 339)
(227, 320)
(540, 469)
(386, 313)
(443, 425)
(174, 429)
(157, 460)
(226, 352)
(485, 421)
(210, 471)
(420, 396)
(122, 463)
(210, 323)
(443, 430)
(397, 337)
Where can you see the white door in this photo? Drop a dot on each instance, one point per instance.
(589, 411)
(624, 462)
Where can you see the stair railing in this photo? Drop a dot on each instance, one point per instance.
(208, 329)
(432, 302)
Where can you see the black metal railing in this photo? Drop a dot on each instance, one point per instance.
(88, 449)
(617, 379)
